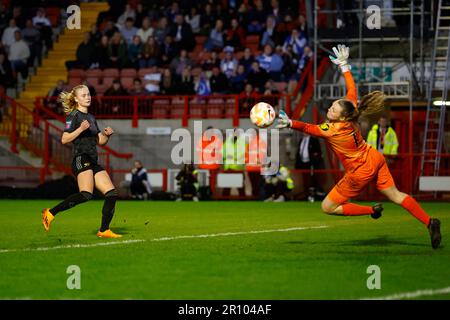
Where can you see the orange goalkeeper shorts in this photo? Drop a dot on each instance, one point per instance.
(351, 185)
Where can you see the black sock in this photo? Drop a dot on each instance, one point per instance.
(71, 201)
(108, 209)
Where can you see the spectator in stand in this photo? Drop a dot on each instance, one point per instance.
(269, 88)
(181, 62)
(202, 85)
(32, 37)
(271, 35)
(257, 77)
(216, 37)
(6, 75)
(117, 51)
(141, 14)
(242, 14)
(116, 90)
(51, 101)
(207, 20)
(297, 41)
(146, 30)
(18, 16)
(219, 82)
(168, 50)
(290, 64)
(173, 11)
(237, 82)
(301, 25)
(18, 55)
(247, 99)
(96, 35)
(168, 83)
(275, 10)
(150, 54)
(229, 64)
(287, 25)
(110, 29)
(257, 17)
(128, 31)
(212, 62)
(101, 56)
(247, 60)
(116, 8)
(138, 89)
(129, 13)
(235, 36)
(152, 81)
(271, 62)
(84, 54)
(186, 85)
(193, 19)
(3, 17)
(135, 52)
(181, 33)
(162, 30)
(304, 59)
(41, 22)
(8, 37)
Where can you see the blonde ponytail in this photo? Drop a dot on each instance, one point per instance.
(371, 103)
(67, 99)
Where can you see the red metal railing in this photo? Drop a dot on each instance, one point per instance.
(170, 107)
(42, 138)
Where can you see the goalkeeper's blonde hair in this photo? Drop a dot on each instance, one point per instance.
(67, 99)
(371, 103)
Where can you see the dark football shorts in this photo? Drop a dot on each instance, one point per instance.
(84, 162)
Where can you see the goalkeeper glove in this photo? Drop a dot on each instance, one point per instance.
(283, 120)
(341, 56)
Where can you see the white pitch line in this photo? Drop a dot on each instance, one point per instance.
(412, 295)
(224, 234)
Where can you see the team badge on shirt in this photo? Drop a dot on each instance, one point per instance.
(324, 126)
(68, 123)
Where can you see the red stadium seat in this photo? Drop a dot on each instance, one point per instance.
(142, 72)
(128, 72)
(111, 72)
(74, 81)
(127, 82)
(77, 73)
(93, 81)
(107, 81)
(177, 108)
(98, 73)
(160, 108)
(281, 86)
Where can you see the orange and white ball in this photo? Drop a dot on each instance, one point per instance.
(262, 114)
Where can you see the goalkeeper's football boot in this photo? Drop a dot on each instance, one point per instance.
(108, 234)
(47, 218)
(377, 209)
(434, 227)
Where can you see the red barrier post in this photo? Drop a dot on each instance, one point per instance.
(236, 112)
(13, 138)
(184, 121)
(135, 118)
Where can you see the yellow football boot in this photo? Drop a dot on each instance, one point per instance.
(47, 218)
(108, 234)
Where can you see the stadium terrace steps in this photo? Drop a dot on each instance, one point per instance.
(53, 67)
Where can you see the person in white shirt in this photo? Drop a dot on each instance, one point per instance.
(19, 54)
(229, 64)
(146, 30)
(194, 20)
(8, 34)
(152, 81)
(40, 19)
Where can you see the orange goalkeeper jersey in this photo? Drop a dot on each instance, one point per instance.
(344, 137)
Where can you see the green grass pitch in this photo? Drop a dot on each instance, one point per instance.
(251, 250)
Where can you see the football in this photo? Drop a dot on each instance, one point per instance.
(262, 114)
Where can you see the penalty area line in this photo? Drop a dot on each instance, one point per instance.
(100, 244)
(412, 295)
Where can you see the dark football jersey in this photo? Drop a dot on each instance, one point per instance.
(86, 142)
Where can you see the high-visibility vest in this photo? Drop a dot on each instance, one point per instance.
(237, 154)
(209, 153)
(390, 143)
(285, 174)
(256, 154)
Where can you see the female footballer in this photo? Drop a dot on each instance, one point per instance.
(82, 130)
(362, 163)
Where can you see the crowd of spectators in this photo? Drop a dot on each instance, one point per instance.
(23, 33)
(199, 47)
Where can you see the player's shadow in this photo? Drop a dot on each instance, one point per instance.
(382, 241)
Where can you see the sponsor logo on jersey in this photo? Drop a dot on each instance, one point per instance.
(324, 126)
